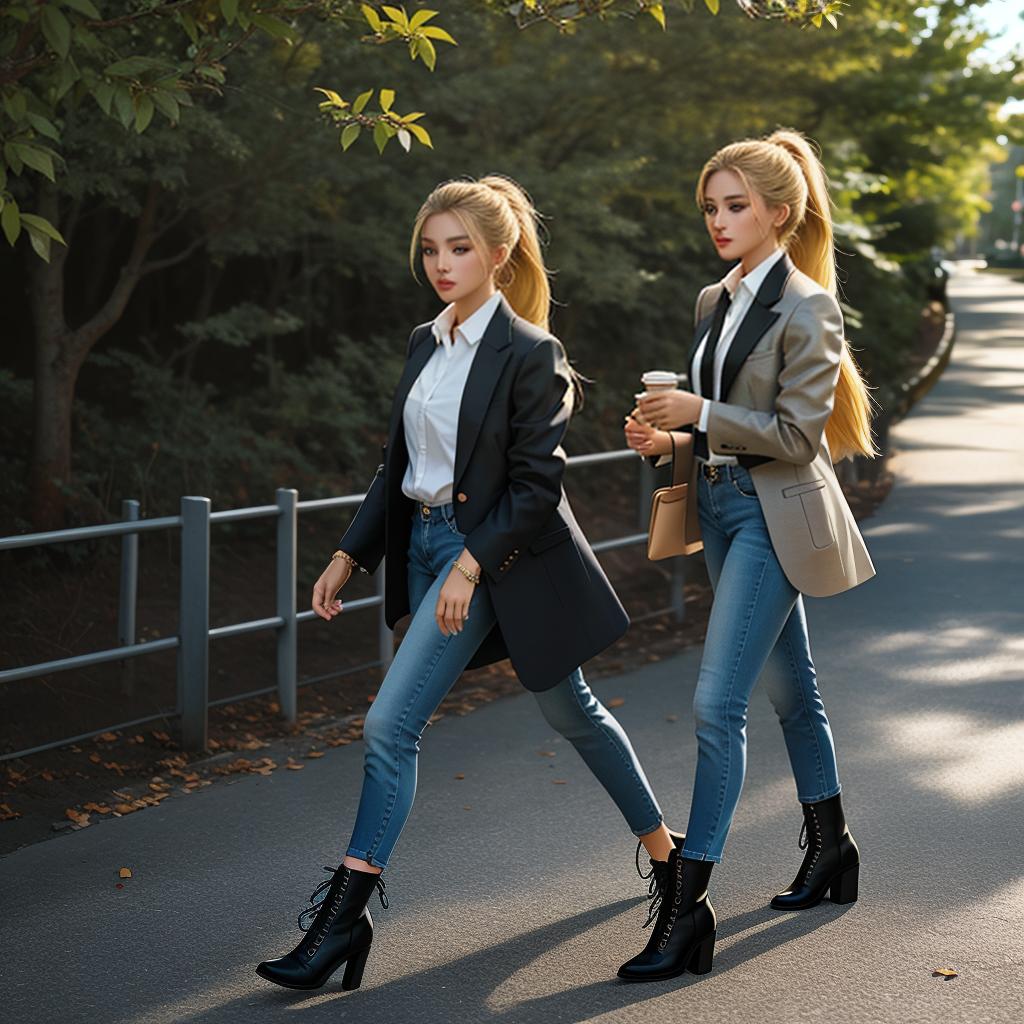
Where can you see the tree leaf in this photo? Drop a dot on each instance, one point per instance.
(421, 18)
(387, 97)
(398, 16)
(372, 17)
(103, 93)
(123, 106)
(229, 8)
(167, 105)
(40, 242)
(381, 136)
(42, 225)
(38, 159)
(10, 221)
(86, 7)
(143, 113)
(361, 100)
(43, 126)
(712, 6)
(349, 135)
(57, 30)
(427, 52)
(404, 138)
(432, 32)
(332, 96)
(272, 26)
(421, 133)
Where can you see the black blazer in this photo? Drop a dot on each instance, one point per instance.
(554, 605)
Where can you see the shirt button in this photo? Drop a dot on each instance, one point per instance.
(461, 497)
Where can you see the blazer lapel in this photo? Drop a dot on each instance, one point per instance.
(422, 350)
(699, 331)
(758, 319)
(495, 350)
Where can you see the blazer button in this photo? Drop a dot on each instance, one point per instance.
(461, 497)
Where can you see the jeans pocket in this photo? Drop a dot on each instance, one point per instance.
(744, 484)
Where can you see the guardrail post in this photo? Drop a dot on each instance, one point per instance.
(677, 584)
(128, 594)
(646, 490)
(385, 638)
(194, 623)
(287, 632)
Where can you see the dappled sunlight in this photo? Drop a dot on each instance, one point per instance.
(970, 762)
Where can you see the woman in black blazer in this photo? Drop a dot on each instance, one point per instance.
(482, 547)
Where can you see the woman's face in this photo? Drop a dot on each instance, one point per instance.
(739, 223)
(454, 265)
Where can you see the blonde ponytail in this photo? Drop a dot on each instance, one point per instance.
(523, 277)
(783, 169)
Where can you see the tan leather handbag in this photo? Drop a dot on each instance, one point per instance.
(675, 529)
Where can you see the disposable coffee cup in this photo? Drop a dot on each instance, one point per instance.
(656, 382)
(659, 380)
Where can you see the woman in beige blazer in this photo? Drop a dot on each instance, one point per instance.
(775, 398)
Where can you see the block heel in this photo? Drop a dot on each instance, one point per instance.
(354, 970)
(844, 888)
(700, 961)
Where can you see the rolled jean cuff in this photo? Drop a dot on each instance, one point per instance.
(363, 855)
(639, 833)
(700, 856)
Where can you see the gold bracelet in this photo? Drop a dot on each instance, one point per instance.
(473, 577)
(348, 558)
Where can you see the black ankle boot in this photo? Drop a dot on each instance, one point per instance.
(657, 873)
(342, 930)
(684, 932)
(831, 863)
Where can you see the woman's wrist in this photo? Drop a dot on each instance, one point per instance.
(345, 556)
(469, 562)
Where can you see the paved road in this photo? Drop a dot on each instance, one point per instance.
(514, 899)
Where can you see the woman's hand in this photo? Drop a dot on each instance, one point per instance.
(645, 439)
(669, 410)
(333, 578)
(456, 594)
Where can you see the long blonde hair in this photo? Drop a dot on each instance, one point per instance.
(496, 210)
(782, 168)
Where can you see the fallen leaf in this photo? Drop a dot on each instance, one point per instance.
(294, 767)
(546, 753)
(314, 753)
(671, 718)
(946, 972)
(125, 873)
(95, 758)
(98, 808)
(615, 702)
(47, 775)
(459, 775)
(80, 818)
(559, 782)
(7, 814)
(107, 737)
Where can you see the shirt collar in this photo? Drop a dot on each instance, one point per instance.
(752, 281)
(472, 328)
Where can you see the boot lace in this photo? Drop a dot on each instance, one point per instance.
(804, 840)
(656, 889)
(307, 915)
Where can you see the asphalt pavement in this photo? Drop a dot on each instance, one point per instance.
(513, 892)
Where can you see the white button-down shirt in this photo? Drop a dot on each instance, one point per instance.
(742, 289)
(431, 413)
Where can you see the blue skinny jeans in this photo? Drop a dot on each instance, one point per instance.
(757, 629)
(426, 666)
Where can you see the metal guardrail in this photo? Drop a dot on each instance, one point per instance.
(194, 632)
